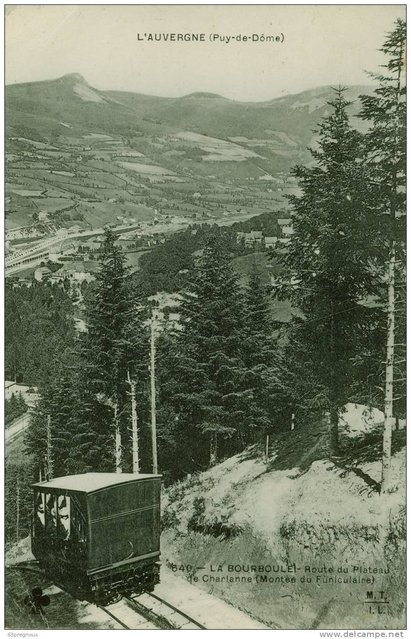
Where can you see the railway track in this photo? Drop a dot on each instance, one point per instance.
(131, 612)
(30, 565)
(146, 611)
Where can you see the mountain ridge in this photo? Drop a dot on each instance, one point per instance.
(78, 77)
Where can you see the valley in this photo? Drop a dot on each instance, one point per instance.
(78, 159)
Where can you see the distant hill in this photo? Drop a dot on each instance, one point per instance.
(85, 156)
(71, 98)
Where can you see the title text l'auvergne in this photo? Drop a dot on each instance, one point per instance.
(171, 37)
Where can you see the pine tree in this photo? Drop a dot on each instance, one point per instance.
(327, 270)
(268, 377)
(59, 404)
(203, 385)
(39, 327)
(89, 394)
(110, 355)
(18, 499)
(385, 142)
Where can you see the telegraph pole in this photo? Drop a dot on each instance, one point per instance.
(153, 394)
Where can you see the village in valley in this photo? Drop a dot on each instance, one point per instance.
(66, 186)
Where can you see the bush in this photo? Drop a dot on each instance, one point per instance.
(14, 407)
(219, 528)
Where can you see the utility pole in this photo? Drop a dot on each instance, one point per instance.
(50, 466)
(134, 424)
(153, 393)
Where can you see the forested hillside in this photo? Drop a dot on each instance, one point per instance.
(39, 328)
(167, 266)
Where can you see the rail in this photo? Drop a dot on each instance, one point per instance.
(31, 565)
(157, 611)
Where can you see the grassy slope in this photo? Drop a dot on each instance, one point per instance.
(300, 508)
(63, 612)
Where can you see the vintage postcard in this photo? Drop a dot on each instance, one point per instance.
(205, 318)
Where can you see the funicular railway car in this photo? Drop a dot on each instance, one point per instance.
(97, 535)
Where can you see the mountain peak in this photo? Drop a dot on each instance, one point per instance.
(202, 94)
(73, 77)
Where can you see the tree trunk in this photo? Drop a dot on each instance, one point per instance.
(117, 442)
(18, 511)
(334, 412)
(334, 438)
(153, 395)
(213, 448)
(50, 465)
(134, 426)
(389, 419)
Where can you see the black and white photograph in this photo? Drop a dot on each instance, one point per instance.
(205, 318)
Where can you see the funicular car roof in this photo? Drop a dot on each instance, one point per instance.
(91, 482)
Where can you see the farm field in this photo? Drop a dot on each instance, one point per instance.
(83, 157)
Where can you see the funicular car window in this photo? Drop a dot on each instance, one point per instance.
(51, 511)
(41, 508)
(63, 516)
(77, 522)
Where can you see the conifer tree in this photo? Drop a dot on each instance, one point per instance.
(89, 392)
(267, 376)
(327, 270)
(109, 356)
(385, 110)
(203, 381)
(59, 403)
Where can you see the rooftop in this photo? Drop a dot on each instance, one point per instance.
(88, 266)
(90, 482)
(43, 269)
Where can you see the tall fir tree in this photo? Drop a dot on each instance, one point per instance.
(385, 110)
(268, 376)
(53, 421)
(111, 354)
(87, 402)
(203, 379)
(327, 267)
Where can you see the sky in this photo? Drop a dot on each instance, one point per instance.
(319, 45)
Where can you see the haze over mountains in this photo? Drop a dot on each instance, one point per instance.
(68, 144)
